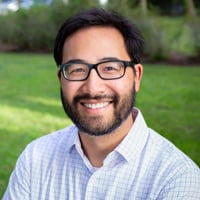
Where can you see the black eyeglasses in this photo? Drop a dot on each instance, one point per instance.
(107, 70)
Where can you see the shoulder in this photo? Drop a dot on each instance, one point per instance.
(166, 152)
(39, 160)
(171, 170)
(56, 137)
(50, 145)
(158, 153)
(169, 159)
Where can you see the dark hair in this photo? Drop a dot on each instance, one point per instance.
(98, 17)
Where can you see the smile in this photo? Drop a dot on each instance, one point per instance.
(96, 105)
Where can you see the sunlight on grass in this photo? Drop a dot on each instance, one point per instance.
(15, 120)
(49, 102)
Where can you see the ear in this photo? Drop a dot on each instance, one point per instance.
(138, 76)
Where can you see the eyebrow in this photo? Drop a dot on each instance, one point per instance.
(109, 58)
(84, 61)
(76, 61)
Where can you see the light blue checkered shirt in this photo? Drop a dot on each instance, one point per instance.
(144, 166)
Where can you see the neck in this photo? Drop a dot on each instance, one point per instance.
(96, 148)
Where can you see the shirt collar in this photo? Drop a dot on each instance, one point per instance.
(131, 146)
(75, 144)
(71, 137)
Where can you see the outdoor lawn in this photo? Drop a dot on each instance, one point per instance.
(30, 105)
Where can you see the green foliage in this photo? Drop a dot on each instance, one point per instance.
(35, 29)
(194, 25)
(178, 37)
(153, 36)
(170, 38)
(29, 29)
(165, 37)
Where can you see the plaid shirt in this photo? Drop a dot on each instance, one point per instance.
(144, 166)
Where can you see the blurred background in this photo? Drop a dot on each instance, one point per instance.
(171, 28)
(30, 104)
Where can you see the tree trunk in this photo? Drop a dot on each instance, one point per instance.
(143, 5)
(19, 3)
(190, 7)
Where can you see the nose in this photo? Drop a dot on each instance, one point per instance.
(93, 84)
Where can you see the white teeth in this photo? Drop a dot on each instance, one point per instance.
(97, 105)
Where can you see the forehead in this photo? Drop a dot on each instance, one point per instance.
(97, 29)
(97, 41)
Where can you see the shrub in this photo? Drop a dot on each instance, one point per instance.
(179, 41)
(35, 30)
(28, 29)
(194, 25)
(170, 38)
(153, 35)
(7, 27)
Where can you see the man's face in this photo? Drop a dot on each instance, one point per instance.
(98, 106)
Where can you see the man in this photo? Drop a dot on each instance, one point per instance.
(109, 153)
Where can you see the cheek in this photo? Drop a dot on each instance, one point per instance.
(123, 87)
(128, 82)
(69, 90)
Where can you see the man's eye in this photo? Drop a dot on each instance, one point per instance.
(79, 70)
(110, 69)
(76, 71)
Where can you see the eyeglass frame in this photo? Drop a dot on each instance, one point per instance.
(95, 66)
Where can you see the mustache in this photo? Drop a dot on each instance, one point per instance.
(78, 98)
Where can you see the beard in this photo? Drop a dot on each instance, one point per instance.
(99, 125)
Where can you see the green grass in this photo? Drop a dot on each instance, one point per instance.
(30, 105)
(170, 100)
